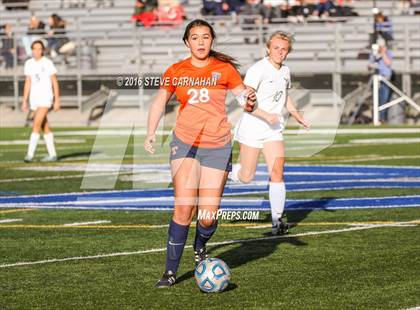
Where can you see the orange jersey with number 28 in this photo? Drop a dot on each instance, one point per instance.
(202, 119)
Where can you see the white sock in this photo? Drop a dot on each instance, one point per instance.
(49, 142)
(277, 196)
(33, 142)
(234, 173)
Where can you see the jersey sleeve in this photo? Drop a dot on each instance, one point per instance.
(253, 77)
(234, 78)
(51, 68)
(27, 69)
(167, 78)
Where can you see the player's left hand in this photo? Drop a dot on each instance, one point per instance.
(304, 123)
(56, 105)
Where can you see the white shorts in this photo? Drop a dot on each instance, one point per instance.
(46, 103)
(254, 132)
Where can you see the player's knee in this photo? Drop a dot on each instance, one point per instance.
(276, 175)
(245, 176)
(206, 223)
(183, 217)
(37, 126)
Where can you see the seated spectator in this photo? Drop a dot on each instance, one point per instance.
(7, 49)
(58, 42)
(404, 6)
(383, 28)
(323, 8)
(297, 10)
(212, 7)
(56, 36)
(232, 7)
(221, 7)
(254, 7)
(342, 8)
(170, 12)
(276, 8)
(144, 12)
(36, 31)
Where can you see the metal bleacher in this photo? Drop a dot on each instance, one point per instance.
(118, 48)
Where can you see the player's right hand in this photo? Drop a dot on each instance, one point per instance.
(148, 143)
(25, 107)
(251, 100)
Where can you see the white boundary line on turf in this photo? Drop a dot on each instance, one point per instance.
(60, 177)
(86, 223)
(10, 221)
(400, 179)
(228, 208)
(373, 158)
(170, 199)
(126, 132)
(310, 233)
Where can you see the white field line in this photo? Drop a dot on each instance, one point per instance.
(228, 208)
(100, 167)
(63, 177)
(370, 158)
(354, 225)
(310, 233)
(10, 221)
(41, 142)
(401, 179)
(87, 223)
(125, 132)
(94, 158)
(258, 227)
(324, 161)
(370, 225)
(385, 140)
(170, 199)
(163, 155)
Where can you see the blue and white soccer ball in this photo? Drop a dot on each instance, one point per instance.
(212, 275)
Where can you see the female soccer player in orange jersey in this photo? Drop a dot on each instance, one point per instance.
(201, 146)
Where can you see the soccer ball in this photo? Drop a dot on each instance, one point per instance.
(212, 275)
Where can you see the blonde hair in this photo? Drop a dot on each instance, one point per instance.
(281, 35)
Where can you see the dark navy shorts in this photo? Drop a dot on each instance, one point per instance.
(218, 158)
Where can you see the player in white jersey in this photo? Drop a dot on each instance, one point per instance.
(270, 79)
(41, 88)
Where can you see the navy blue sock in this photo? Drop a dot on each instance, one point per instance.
(202, 235)
(177, 236)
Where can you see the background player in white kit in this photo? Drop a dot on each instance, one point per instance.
(271, 80)
(41, 87)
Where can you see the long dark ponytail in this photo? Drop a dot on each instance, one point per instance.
(218, 55)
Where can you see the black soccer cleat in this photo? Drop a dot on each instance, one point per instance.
(282, 228)
(168, 279)
(200, 255)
